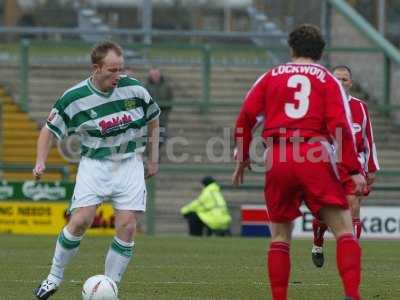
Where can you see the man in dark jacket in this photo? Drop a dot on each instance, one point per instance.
(160, 91)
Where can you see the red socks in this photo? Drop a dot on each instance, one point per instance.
(319, 231)
(348, 258)
(357, 228)
(279, 269)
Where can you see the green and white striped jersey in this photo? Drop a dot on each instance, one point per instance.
(111, 125)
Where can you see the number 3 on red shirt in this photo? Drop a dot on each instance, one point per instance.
(298, 110)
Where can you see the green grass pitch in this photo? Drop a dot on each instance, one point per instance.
(181, 268)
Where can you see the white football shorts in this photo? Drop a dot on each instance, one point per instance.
(121, 181)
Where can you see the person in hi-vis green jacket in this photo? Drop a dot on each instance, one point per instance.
(208, 211)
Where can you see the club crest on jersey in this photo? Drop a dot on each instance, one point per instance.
(356, 127)
(116, 123)
(130, 104)
(93, 114)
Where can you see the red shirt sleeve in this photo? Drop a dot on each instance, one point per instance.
(253, 106)
(338, 120)
(369, 144)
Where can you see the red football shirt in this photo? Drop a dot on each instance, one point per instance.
(363, 134)
(302, 100)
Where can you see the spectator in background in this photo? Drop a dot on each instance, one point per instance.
(27, 20)
(161, 91)
(208, 211)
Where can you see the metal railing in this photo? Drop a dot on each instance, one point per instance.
(76, 32)
(391, 53)
(24, 74)
(207, 56)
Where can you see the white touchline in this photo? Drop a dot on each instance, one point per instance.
(180, 282)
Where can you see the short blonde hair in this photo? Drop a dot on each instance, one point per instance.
(100, 51)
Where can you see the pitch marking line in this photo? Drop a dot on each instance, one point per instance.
(177, 282)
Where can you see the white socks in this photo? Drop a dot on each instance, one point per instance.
(118, 257)
(66, 248)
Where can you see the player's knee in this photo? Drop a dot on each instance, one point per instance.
(281, 232)
(78, 226)
(128, 227)
(337, 219)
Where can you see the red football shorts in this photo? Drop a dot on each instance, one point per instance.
(308, 176)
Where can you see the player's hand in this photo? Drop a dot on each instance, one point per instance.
(370, 178)
(238, 174)
(151, 169)
(38, 170)
(360, 183)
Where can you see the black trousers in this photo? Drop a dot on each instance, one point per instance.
(197, 227)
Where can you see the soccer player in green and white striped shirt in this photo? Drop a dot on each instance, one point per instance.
(110, 112)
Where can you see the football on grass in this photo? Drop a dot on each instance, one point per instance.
(99, 287)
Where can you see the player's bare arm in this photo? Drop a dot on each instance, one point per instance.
(238, 174)
(249, 119)
(153, 151)
(44, 144)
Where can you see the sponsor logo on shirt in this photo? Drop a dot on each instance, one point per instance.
(114, 124)
(356, 127)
